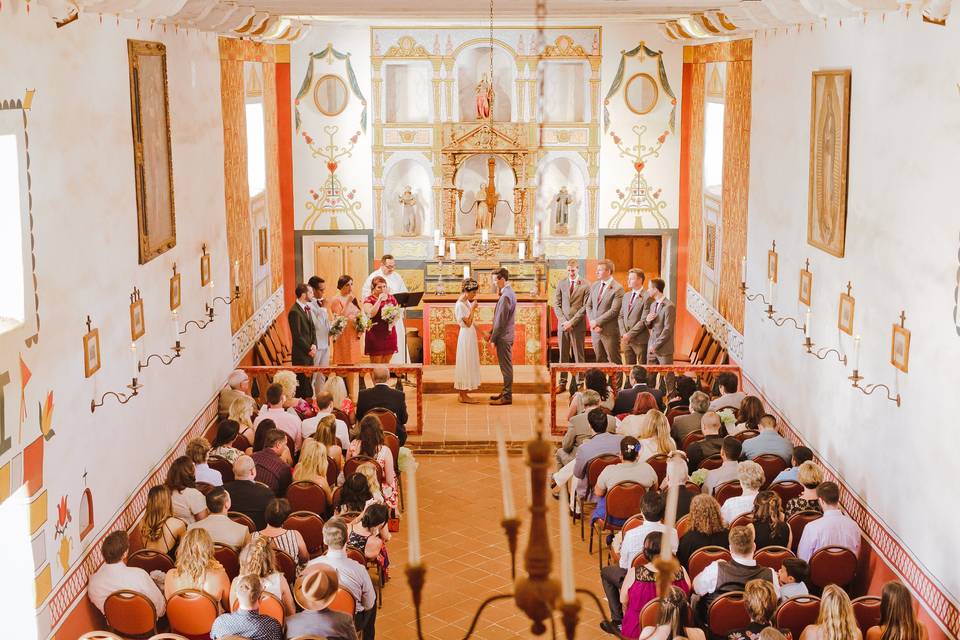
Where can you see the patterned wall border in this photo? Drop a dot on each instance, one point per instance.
(716, 324)
(74, 585)
(244, 339)
(932, 594)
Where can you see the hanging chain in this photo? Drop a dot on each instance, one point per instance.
(540, 409)
(490, 77)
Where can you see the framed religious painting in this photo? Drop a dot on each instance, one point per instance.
(900, 347)
(263, 245)
(829, 151)
(845, 313)
(175, 291)
(137, 323)
(152, 157)
(806, 286)
(204, 269)
(773, 264)
(91, 352)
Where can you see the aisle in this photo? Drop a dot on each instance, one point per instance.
(448, 421)
(465, 553)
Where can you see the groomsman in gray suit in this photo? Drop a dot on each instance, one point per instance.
(501, 335)
(634, 333)
(603, 310)
(661, 321)
(570, 307)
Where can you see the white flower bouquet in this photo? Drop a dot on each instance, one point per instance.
(390, 314)
(699, 476)
(338, 327)
(363, 323)
(727, 417)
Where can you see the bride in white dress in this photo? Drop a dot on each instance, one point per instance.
(466, 375)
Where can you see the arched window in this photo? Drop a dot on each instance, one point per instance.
(86, 513)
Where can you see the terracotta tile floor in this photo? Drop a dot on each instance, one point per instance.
(466, 556)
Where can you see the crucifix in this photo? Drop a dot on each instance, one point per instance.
(806, 267)
(849, 287)
(903, 318)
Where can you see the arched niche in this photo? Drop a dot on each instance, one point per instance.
(473, 173)
(86, 513)
(399, 174)
(566, 91)
(408, 91)
(556, 170)
(471, 64)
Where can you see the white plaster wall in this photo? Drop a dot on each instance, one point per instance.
(81, 165)
(902, 242)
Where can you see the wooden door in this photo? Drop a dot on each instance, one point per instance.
(628, 252)
(328, 263)
(357, 263)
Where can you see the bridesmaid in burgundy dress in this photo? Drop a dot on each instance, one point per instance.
(381, 340)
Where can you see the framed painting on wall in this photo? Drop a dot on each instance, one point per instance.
(845, 313)
(806, 286)
(91, 352)
(152, 157)
(829, 147)
(137, 326)
(204, 269)
(900, 348)
(175, 292)
(773, 263)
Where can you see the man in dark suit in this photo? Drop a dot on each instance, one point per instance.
(381, 396)
(303, 337)
(627, 397)
(248, 496)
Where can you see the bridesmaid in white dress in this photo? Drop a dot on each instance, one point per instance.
(466, 375)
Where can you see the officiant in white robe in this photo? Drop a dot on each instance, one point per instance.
(388, 271)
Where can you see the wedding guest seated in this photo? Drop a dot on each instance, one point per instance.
(352, 576)
(654, 436)
(596, 380)
(369, 533)
(188, 504)
(242, 411)
(640, 585)
(286, 421)
(355, 494)
(197, 450)
(115, 575)
(160, 530)
(370, 443)
(259, 559)
(579, 430)
(600, 444)
(751, 410)
(633, 424)
(835, 528)
(810, 476)
(673, 619)
(687, 424)
(627, 397)
(324, 409)
(222, 529)
(684, 387)
(247, 621)
(630, 469)
(314, 591)
(769, 523)
(381, 396)
(313, 466)
(897, 618)
(723, 576)
(751, 478)
(727, 383)
(711, 443)
(727, 471)
(247, 496)
(222, 447)
(326, 434)
(760, 599)
(259, 441)
(684, 495)
(706, 528)
(196, 568)
(836, 620)
(290, 541)
(793, 576)
(768, 441)
(368, 471)
(238, 386)
(798, 456)
(271, 469)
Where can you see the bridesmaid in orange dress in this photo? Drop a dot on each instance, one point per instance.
(346, 348)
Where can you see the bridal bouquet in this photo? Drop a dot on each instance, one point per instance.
(698, 476)
(727, 417)
(363, 323)
(390, 314)
(338, 326)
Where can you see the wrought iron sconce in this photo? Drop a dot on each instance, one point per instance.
(236, 287)
(122, 398)
(200, 324)
(823, 352)
(165, 360)
(870, 388)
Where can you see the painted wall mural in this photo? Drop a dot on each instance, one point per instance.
(332, 199)
(639, 198)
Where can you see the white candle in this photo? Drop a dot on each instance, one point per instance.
(441, 247)
(485, 236)
(436, 237)
(508, 509)
(236, 273)
(743, 269)
(453, 251)
(806, 324)
(522, 250)
(856, 353)
(466, 271)
(770, 290)
(176, 327)
(414, 515)
(136, 360)
(567, 591)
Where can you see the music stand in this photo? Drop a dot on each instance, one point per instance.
(405, 300)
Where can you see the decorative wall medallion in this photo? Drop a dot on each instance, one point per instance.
(641, 93)
(407, 47)
(330, 95)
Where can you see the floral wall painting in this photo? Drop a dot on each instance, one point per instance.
(829, 146)
(639, 199)
(152, 157)
(64, 517)
(331, 204)
(46, 417)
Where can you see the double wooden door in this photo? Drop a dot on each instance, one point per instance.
(332, 260)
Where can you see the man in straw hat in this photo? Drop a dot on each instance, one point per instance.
(315, 590)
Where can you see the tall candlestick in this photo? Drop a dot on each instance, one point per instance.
(856, 353)
(453, 251)
(484, 236)
(414, 515)
(508, 510)
(436, 237)
(567, 591)
(466, 271)
(522, 250)
(743, 269)
(676, 475)
(806, 324)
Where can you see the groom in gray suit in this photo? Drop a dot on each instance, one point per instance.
(501, 335)
(603, 311)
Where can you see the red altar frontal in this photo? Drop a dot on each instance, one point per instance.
(441, 330)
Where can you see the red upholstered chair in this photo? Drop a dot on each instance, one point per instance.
(867, 611)
(229, 558)
(786, 489)
(191, 612)
(713, 462)
(623, 501)
(650, 612)
(335, 500)
(135, 538)
(692, 487)
(223, 466)
(726, 490)
(333, 471)
(677, 412)
(773, 556)
(742, 520)
(243, 519)
(130, 613)
(270, 605)
(833, 565)
(702, 557)
(392, 442)
(746, 434)
(797, 613)
(203, 487)
(632, 522)
(356, 555)
(99, 635)
(310, 526)
(659, 464)
(340, 414)
(772, 466)
(344, 603)
(240, 443)
(150, 561)
(387, 418)
(690, 438)
(726, 613)
(308, 496)
(286, 564)
(683, 525)
(594, 467)
(165, 636)
(798, 522)
(350, 466)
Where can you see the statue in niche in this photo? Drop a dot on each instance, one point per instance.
(410, 212)
(561, 211)
(484, 98)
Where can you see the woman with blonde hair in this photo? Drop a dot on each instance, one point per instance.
(836, 620)
(160, 530)
(196, 568)
(313, 465)
(897, 619)
(655, 435)
(810, 475)
(369, 472)
(326, 434)
(287, 380)
(241, 410)
(769, 523)
(258, 558)
(706, 528)
(760, 598)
